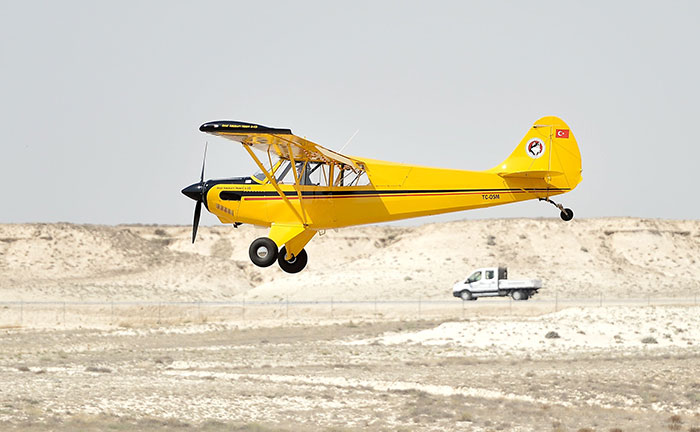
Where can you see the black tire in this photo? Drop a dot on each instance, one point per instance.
(296, 264)
(466, 295)
(567, 214)
(263, 252)
(519, 295)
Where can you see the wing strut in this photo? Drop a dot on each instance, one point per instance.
(296, 181)
(273, 182)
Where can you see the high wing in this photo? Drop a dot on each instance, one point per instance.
(278, 142)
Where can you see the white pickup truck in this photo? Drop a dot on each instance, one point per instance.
(493, 282)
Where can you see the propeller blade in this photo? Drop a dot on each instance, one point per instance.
(201, 178)
(195, 223)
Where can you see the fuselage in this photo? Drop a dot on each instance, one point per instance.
(393, 192)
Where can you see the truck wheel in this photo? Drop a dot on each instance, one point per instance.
(466, 295)
(519, 295)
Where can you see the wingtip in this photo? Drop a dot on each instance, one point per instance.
(238, 126)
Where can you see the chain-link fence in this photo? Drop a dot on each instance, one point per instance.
(127, 314)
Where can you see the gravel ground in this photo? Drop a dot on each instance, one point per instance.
(378, 375)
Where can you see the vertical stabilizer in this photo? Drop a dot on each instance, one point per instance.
(548, 151)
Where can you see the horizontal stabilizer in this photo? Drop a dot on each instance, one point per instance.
(531, 174)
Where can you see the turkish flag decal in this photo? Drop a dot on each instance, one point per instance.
(562, 133)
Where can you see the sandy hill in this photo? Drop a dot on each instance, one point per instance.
(617, 256)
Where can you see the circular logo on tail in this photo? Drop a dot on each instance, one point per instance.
(535, 148)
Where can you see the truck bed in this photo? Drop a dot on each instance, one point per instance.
(519, 284)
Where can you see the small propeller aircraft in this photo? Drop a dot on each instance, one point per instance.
(303, 188)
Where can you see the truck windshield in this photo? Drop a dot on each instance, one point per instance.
(474, 277)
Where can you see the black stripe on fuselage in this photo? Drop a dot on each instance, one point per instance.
(373, 192)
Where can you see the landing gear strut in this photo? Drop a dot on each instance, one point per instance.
(566, 213)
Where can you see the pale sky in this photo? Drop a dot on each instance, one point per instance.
(100, 102)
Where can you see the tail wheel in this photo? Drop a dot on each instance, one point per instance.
(567, 214)
(263, 252)
(296, 264)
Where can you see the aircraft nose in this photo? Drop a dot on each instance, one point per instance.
(194, 191)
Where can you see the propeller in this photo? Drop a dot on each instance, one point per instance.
(196, 192)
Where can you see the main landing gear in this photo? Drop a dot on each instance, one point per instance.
(263, 252)
(566, 213)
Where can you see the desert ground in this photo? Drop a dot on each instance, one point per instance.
(133, 328)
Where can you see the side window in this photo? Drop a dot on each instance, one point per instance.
(309, 173)
(317, 174)
(348, 177)
(283, 173)
(489, 274)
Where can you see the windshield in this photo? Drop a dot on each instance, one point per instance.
(474, 277)
(276, 163)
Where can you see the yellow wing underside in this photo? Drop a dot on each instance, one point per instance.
(279, 142)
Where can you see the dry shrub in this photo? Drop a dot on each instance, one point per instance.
(552, 335)
(675, 419)
(649, 340)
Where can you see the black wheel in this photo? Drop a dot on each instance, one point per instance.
(296, 264)
(567, 214)
(519, 295)
(263, 252)
(466, 295)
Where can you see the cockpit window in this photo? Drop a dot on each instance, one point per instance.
(260, 177)
(313, 174)
(283, 170)
(348, 177)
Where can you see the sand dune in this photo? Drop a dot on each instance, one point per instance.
(617, 256)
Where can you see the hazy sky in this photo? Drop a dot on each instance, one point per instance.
(100, 102)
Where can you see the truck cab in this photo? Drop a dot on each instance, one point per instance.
(493, 282)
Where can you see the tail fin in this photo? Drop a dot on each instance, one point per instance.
(548, 152)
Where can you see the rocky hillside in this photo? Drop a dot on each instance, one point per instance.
(618, 256)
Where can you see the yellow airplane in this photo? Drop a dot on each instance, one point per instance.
(303, 188)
